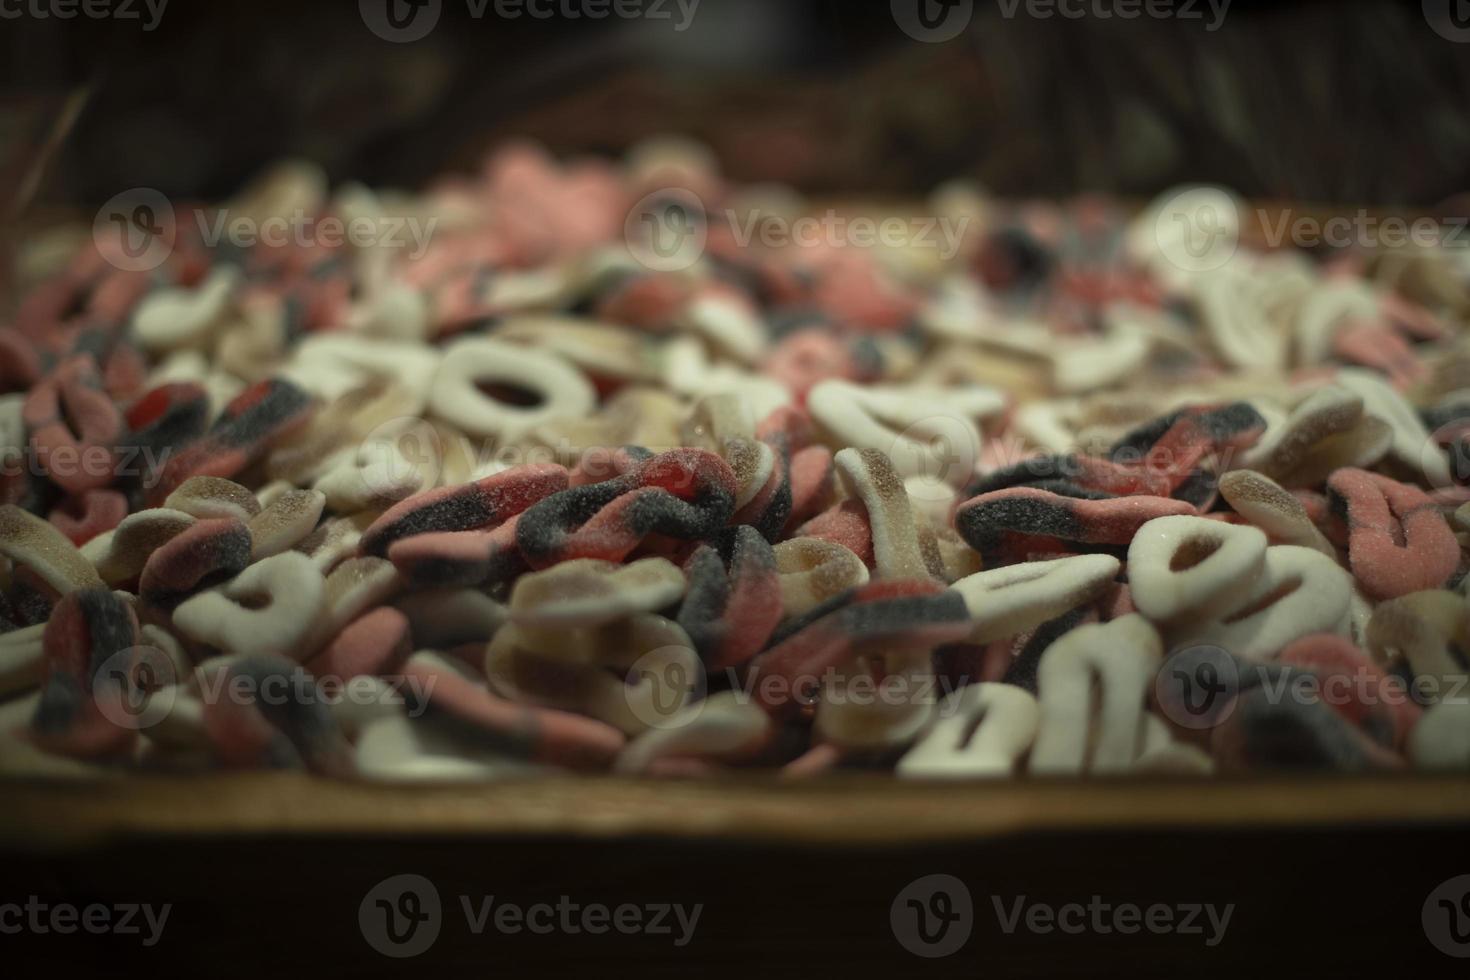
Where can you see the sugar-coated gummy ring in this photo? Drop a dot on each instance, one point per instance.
(985, 520)
(687, 494)
(1398, 541)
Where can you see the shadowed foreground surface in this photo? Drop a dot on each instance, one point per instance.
(1321, 879)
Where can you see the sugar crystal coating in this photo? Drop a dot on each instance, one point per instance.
(551, 503)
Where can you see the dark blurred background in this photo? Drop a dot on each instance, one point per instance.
(1339, 102)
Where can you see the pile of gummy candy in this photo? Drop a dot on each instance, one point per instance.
(551, 489)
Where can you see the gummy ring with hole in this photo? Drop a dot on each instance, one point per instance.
(844, 524)
(80, 699)
(84, 516)
(469, 507)
(788, 426)
(282, 722)
(882, 702)
(376, 644)
(1193, 566)
(768, 506)
(1175, 444)
(20, 364)
(31, 543)
(166, 418)
(72, 397)
(204, 554)
(813, 570)
(807, 468)
(1080, 730)
(472, 367)
(1298, 592)
(541, 734)
(811, 475)
(1267, 505)
(806, 358)
(730, 614)
(246, 429)
(1267, 732)
(983, 730)
(686, 494)
(119, 558)
(1426, 632)
(209, 497)
(644, 671)
(1357, 687)
(649, 302)
(987, 521)
(1097, 476)
(891, 615)
(269, 608)
(1398, 541)
(899, 550)
(459, 558)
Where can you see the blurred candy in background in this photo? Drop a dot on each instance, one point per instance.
(1318, 101)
